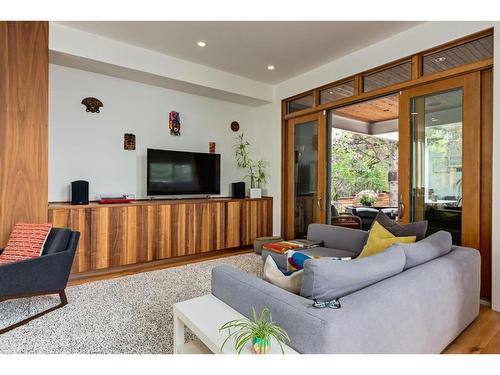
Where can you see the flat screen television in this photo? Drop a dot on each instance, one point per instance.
(182, 173)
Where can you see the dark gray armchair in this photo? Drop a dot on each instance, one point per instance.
(47, 274)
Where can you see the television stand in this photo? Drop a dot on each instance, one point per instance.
(142, 231)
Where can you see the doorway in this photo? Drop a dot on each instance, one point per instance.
(363, 159)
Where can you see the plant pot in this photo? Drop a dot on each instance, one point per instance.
(255, 193)
(258, 344)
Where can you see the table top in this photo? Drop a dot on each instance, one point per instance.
(440, 201)
(206, 314)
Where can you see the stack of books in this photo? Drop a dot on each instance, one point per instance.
(282, 247)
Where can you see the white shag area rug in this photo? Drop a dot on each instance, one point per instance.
(130, 314)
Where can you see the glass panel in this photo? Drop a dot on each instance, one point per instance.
(306, 182)
(300, 103)
(436, 125)
(387, 77)
(476, 50)
(344, 90)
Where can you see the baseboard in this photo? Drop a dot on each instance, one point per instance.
(130, 269)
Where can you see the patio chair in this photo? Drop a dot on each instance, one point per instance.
(344, 219)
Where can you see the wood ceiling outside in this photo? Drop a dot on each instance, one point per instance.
(382, 109)
(340, 91)
(477, 50)
(387, 77)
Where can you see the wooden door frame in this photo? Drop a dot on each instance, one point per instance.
(471, 149)
(288, 171)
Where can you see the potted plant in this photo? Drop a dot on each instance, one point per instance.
(256, 171)
(259, 331)
(367, 197)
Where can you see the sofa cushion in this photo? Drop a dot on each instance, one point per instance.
(291, 282)
(57, 241)
(380, 239)
(326, 279)
(417, 229)
(334, 237)
(434, 246)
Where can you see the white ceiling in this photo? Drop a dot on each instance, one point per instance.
(247, 48)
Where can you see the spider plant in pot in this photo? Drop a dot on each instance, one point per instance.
(259, 331)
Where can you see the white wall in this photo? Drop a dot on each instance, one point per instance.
(414, 40)
(89, 146)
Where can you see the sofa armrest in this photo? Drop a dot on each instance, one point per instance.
(47, 273)
(307, 326)
(336, 237)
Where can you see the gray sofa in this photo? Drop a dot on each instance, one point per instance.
(420, 310)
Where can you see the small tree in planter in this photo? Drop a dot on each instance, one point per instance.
(259, 331)
(256, 171)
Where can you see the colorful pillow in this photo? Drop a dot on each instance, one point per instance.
(291, 282)
(380, 239)
(295, 260)
(26, 241)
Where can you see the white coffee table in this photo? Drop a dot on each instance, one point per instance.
(204, 316)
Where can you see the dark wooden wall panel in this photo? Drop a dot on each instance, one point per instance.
(118, 235)
(23, 124)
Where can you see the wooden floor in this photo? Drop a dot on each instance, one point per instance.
(481, 337)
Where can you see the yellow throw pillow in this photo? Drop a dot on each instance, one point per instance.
(380, 239)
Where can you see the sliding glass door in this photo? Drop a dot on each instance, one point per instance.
(440, 159)
(305, 174)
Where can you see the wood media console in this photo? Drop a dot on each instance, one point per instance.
(117, 235)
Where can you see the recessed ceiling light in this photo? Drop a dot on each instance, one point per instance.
(270, 67)
(440, 59)
(202, 43)
(433, 119)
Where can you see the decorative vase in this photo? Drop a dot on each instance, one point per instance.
(255, 193)
(258, 344)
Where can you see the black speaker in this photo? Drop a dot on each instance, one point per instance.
(80, 192)
(238, 189)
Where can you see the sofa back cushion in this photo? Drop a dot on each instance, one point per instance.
(434, 246)
(57, 241)
(326, 279)
(337, 237)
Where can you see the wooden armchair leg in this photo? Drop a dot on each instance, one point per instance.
(64, 302)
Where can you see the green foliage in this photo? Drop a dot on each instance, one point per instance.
(359, 163)
(256, 171)
(261, 327)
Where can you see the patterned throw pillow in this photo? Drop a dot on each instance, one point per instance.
(26, 241)
(296, 260)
